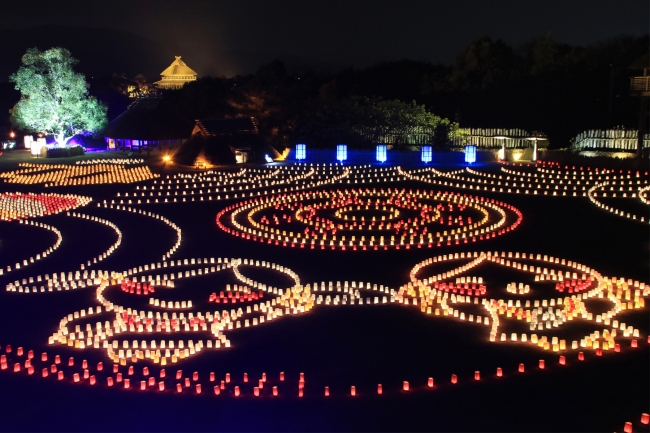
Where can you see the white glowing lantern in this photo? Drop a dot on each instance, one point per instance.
(28, 141)
(37, 146)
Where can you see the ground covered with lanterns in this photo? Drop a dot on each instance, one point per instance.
(324, 297)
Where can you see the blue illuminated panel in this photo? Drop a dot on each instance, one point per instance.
(427, 154)
(470, 154)
(381, 152)
(341, 152)
(301, 152)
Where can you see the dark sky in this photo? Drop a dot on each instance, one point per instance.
(230, 37)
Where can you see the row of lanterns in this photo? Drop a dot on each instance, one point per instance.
(575, 182)
(116, 161)
(126, 377)
(381, 153)
(235, 185)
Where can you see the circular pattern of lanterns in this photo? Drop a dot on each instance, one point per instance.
(368, 219)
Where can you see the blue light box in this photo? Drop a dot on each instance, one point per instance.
(341, 152)
(470, 154)
(381, 152)
(427, 154)
(301, 152)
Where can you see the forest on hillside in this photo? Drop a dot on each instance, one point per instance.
(542, 85)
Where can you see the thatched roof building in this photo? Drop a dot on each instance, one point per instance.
(224, 141)
(147, 122)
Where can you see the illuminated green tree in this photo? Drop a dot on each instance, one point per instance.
(54, 98)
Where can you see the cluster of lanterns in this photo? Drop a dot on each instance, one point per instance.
(69, 175)
(423, 291)
(294, 300)
(544, 314)
(16, 205)
(238, 294)
(365, 219)
(355, 219)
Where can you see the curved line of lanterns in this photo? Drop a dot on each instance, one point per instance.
(33, 259)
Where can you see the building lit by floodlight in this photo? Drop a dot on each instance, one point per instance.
(427, 154)
(341, 152)
(301, 151)
(381, 153)
(470, 154)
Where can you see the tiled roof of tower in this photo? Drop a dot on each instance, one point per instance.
(178, 67)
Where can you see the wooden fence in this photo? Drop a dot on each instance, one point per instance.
(610, 139)
(484, 138)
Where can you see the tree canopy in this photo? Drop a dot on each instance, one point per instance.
(54, 98)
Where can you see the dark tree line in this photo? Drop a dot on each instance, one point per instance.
(542, 85)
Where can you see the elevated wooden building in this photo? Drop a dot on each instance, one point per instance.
(176, 75)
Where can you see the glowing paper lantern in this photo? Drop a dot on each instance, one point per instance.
(381, 152)
(35, 146)
(427, 154)
(470, 154)
(301, 152)
(341, 152)
(268, 158)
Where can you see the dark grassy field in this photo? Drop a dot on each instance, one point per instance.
(334, 346)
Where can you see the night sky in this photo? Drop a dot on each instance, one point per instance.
(234, 37)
